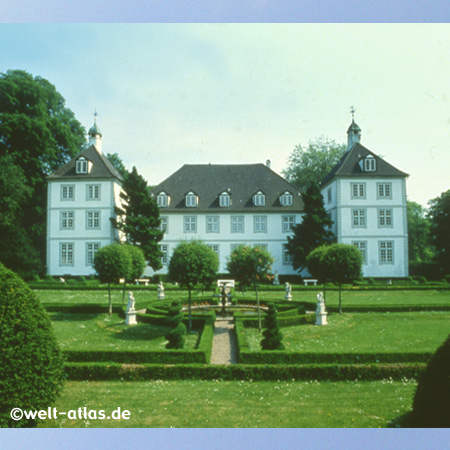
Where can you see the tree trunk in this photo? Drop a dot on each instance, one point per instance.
(340, 300)
(123, 292)
(190, 313)
(259, 310)
(110, 302)
(324, 293)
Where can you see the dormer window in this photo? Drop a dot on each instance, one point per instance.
(162, 200)
(224, 200)
(370, 164)
(286, 199)
(191, 200)
(82, 165)
(259, 199)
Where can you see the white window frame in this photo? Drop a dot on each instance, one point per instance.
(370, 164)
(91, 249)
(162, 200)
(215, 248)
(93, 192)
(191, 200)
(362, 247)
(359, 218)
(358, 190)
(67, 220)
(82, 166)
(329, 195)
(165, 254)
(287, 258)
(190, 224)
(287, 223)
(224, 200)
(212, 224)
(237, 224)
(260, 224)
(386, 252)
(93, 220)
(66, 254)
(67, 192)
(385, 218)
(262, 246)
(259, 199)
(286, 199)
(382, 188)
(164, 225)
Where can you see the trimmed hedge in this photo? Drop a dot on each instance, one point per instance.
(284, 321)
(331, 372)
(82, 308)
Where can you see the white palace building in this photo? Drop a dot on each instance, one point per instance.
(228, 205)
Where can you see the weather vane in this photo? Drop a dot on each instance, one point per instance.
(95, 114)
(352, 111)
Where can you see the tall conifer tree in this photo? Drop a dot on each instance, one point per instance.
(313, 231)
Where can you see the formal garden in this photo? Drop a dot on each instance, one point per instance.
(360, 370)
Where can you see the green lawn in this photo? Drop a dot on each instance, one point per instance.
(349, 298)
(365, 332)
(103, 332)
(243, 404)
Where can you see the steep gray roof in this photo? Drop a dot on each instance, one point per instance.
(241, 181)
(101, 167)
(348, 166)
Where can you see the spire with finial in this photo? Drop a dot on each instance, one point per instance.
(353, 132)
(95, 135)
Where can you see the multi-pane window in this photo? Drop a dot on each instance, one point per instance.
(190, 224)
(164, 225)
(165, 254)
(224, 200)
(358, 190)
(260, 224)
(212, 224)
(191, 200)
(259, 199)
(237, 224)
(93, 220)
(362, 247)
(91, 250)
(82, 166)
(93, 192)
(286, 199)
(359, 218)
(214, 248)
(67, 192)
(385, 218)
(287, 257)
(386, 252)
(162, 200)
(384, 190)
(370, 164)
(261, 246)
(329, 195)
(234, 247)
(67, 220)
(66, 254)
(287, 223)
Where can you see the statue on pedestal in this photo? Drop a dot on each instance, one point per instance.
(321, 314)
(160, 291)
(288, 295)
(131, 311)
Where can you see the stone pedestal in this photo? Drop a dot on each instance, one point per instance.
(321, 318)
(288, 297)
(130, 318)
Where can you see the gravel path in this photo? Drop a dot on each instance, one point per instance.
(224, 342)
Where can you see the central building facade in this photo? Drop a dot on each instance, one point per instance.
(229, 205)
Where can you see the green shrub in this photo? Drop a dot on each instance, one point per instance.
(82, 279)
(447, 278)
(31, 364)
(431, 405)
(175, 320)
(272, 334)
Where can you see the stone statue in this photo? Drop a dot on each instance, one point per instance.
(288, 295)
(276, 280)
(131, 303)
(160, 291)
(321, 314)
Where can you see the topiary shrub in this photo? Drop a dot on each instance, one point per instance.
(31, 363)
(431, 405)
(175, 320)
(272, 334)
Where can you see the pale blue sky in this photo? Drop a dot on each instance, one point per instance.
(169, 94)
